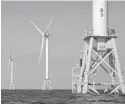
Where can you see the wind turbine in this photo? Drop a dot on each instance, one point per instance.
(10, 66)
(45, 36)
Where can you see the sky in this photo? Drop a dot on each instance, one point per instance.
(70, 20)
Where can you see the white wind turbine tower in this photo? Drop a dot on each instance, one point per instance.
(45, 35)
(10, 66)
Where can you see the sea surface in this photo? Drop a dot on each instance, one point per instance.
(57, 97)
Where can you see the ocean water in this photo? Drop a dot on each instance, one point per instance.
(57, 97)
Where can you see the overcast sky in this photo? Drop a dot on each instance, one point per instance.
(70, 20)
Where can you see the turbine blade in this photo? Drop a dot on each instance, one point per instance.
(40, 51)
(9, 55)
(36, 27)
(8, 63)
(48, 25)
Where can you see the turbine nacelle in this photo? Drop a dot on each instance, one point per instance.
(10, 57)
(47, 35)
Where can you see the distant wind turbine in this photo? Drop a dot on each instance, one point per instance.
(45, 36)
(10, 66)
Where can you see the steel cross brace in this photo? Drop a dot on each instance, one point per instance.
(102, 60)
(105, 61)
(95, 62)
(94, 90)
(115, 89)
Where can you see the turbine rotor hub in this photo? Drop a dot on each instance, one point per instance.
(47, 36)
